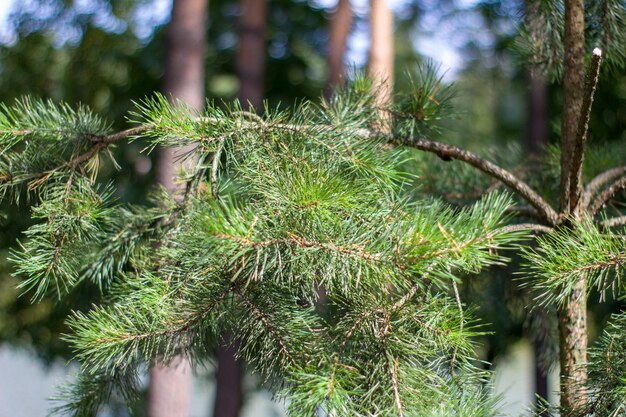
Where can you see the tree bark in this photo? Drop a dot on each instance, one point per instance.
(572, 317)
(340, 26)
(536, 141)
(250, 68)
(573, 90)
(170, 387)
(381, 56)
(250, 63)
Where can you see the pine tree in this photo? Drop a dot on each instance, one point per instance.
(276, 207)
(273, 209)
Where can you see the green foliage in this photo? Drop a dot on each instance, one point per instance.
(607, 367)
(421, 111)
(566, 256)
(605, 21)
(302, 203)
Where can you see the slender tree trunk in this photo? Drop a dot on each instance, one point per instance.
(250, 67)
(170, 387)
(251, 53)
(380, 67)
(573, 315)
(537, 132)
(340, 26)
(536, 141)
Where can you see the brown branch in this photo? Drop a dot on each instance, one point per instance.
(524, 211)
(606, 195)
(536, 228)
(581, 132)
(448, 152)
(120, 136)
(600, 181)
(614, 221)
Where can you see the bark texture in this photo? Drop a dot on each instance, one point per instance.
(250, 67)
(340, 26)
(381, 56)
(170, 387)
(573, 89)
(572, 317)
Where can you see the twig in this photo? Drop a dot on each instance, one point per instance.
(457, 297)
(524, 211)
(448, 152)
(533, 227)
(606, 195)
(393, 372)
(214, 168)
(614, 221)
(581, 132)
(120, 136)
(268, 326)
(600, 181)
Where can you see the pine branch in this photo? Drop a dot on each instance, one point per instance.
(392, 366)
(600, 181)
(537, 228)
(524, 211)
(606, 195)
(447, 152)
(262, 317)
(581, 132)
(615, 222)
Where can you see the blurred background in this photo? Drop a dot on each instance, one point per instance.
(107, 53)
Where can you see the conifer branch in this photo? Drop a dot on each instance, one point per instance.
(393, 372)
(615, 222)
(299, 241)
(448, 152)
(600, 181)
(214, 168)
(581, 132)
(524, 211)
(267, 325)
(606, 195)
(120, 136)
(537, 228)
(457, 297)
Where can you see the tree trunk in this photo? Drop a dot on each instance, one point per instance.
(537, 133)
(250, 67)
(536, 141)
(573, 315)
(250, 64)
(340, 26)
(380, 67)
(170, 387)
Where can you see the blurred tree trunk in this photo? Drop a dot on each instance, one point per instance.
(250, 67)
(381, 56)
(536, 141)
(170, 387)
(339, 30)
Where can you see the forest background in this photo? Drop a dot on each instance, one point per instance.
(107, 53)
